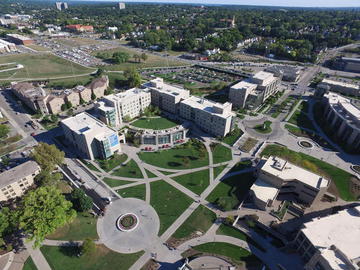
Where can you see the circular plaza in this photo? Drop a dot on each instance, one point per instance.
(129, 225)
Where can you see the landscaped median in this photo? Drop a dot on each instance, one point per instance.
(264, 128)
(340, 179)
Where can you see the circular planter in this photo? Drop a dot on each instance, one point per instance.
(306, 144)
(127, 222)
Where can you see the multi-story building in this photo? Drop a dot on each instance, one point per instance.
(34, 97)
(84, 92)
(98, 86)
(165, 96)
(343, 117)
(54, 104)
(212, 117)
(331, 242)
(7, 46)
(108, 114)
(245, 95)
(79, 28)
(347, 64)
(72, 97)
(14, 182)
(61, 5)
(19, 39)
(90, 137)
(277, 176)
(286, 73)
(130, 104)
(345, 88)
(121, 5)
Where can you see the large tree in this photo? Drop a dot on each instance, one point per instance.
(4, 130)
(48, 156)
(133, 77)
(43, 211)
(80, 200)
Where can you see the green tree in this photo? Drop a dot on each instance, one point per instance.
(63, 107)
(99, 72)
(47, 156)
(93, 96)
(133, 77)
(44, 210)
(80, 201)
(82, 101)
(88, 247)
(46, 178)
(68, 104)
(144, 57)
(4, 130)
(120, 57)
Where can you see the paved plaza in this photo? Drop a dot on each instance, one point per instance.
(132, 241)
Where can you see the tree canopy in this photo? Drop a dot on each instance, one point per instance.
(48, 156)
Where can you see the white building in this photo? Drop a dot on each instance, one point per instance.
(90, 137)
(212, 117)
(286, 73)
(278, 176)
(245, 94)
(61, 5)
(165, 96)
(331, 242)
(340, 87)
(14, 182)
(7, 46)
(130, 103)
(121, 5)
(112, 28)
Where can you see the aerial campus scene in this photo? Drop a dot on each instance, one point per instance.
(180, 135)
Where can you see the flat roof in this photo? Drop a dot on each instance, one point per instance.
(83, 122)
(341, 230)
(160, 85)
(17, 36)
(19, 172)
(343, 84)
(264, 191)
(288, 172)
(209, 106)
(127, 94)
(245, 84)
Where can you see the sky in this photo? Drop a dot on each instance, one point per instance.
(289, 3)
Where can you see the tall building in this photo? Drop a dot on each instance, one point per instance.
(331, 242)
(14, 182)
(343, 117)
(345, 88)
(61, 5)
(121, 5)
(286, 73)
(165, 96)
(90, 137)
(212, 117)
(129, 104)
(245, 95)
(278, 176)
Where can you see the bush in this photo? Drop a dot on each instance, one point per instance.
(81, 202)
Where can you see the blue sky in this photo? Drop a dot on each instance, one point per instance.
(290, 3)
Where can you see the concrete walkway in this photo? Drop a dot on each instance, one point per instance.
(37, 257)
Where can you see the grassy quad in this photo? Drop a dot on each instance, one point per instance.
(197, 182)
(220, 153)
(138, 192)
(39, 66)
(230, 192)
(29, 264)
(218, 170)
(168, 202)
(115, 182)
(109, 164)
(339, 177)
(155, 123)
(200, 220)
(186, 156)
(237, 254)
(65, 258)
(130, 169)
(299, 118)
(82, 227)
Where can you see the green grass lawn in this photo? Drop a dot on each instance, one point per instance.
(130, 169)
(150, 174)
(65, 258)
(340, 177)
(168, 202)
(220, 153)
(230, 192)
(197, 182)
(184, 156)
(70, 82)
(115, 183)
(82, 227)
(200, 220)
(29, 264)
(237, 254)
(233, 136)
(218, 170)
(89, 165)
(264, 128)
(302, 120)
(138, 191)
(157, 123)
(44, 66)
(109, 164)
(152, 61)
(228, 230)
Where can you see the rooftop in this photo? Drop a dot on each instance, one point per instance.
(209, 106)
(264, 191)
(244, 85)
(29, 90)
(341, 230)
(343, 84)
(127, 94)
(158, 83)
(84, 123)
(288, 172)
(17, 36)
(19, 172)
